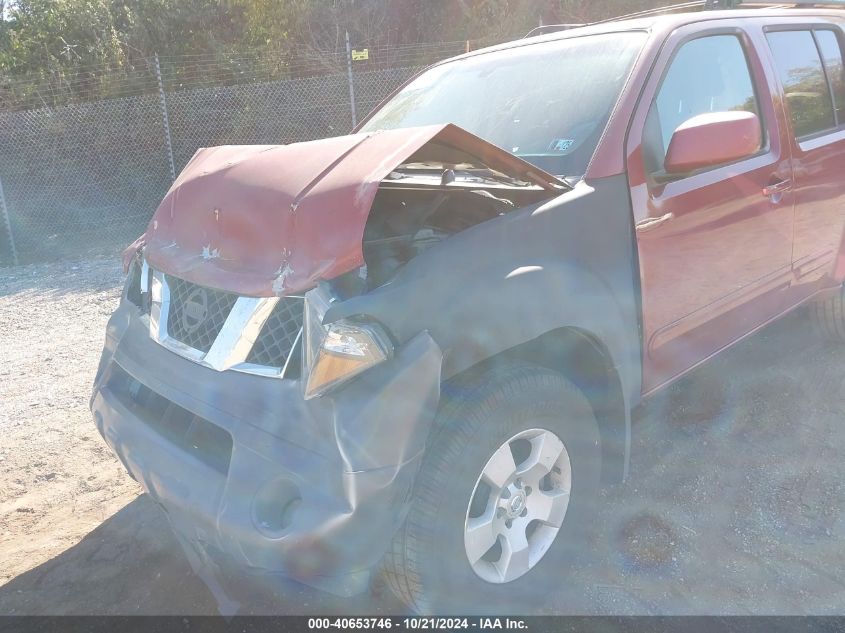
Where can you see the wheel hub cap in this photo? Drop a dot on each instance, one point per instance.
(517, 506)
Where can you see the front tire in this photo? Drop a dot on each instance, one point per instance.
(503, 499)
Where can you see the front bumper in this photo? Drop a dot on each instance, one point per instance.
(227, 454)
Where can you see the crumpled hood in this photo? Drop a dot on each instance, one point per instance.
(266, 220)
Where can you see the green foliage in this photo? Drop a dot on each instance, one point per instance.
(46, 35)
(100, 47)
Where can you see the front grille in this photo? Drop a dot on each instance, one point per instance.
(194, 318)
(206, 441)
(197, 313)
(278, 336)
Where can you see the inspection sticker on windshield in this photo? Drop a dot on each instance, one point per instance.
(560, 144)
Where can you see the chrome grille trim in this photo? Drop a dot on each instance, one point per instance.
(234, 342)
(279, 335)
(197, 314)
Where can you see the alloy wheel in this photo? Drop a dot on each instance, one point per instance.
(517, 506)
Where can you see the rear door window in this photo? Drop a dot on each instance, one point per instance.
(832, 57)
(804, 81)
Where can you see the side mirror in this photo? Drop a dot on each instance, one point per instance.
(712, 139)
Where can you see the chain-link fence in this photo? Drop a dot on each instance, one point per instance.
(77, 174)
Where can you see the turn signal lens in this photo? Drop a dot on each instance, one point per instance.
(339, 351)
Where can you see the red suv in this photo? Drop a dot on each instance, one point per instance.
(416, 348)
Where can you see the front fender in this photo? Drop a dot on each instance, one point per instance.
(569, 262)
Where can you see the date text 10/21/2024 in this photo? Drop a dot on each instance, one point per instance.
(419, 623)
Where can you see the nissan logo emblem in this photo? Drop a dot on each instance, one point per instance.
(194, 310)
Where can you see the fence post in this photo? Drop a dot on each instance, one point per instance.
(163, 104)
(351, 85)
(4, 210)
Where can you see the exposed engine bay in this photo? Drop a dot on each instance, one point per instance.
(421, 204)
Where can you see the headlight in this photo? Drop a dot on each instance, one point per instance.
(335, 353)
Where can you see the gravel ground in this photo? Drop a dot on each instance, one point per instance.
(58, 479)
(734, 505)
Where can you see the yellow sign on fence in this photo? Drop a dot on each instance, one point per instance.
(361, 55)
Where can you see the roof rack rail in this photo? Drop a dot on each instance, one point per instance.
(704, 5)
(672, 8)
(793, 4)
(553, 28)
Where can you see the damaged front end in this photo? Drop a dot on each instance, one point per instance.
(275, 220)
(279, 441)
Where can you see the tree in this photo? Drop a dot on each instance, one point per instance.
(91, 48)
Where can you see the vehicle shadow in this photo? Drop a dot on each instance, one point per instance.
(131, 564)
(735, 503)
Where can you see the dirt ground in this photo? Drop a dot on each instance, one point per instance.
(57, 478)
(734, 505)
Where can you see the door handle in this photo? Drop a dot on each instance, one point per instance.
(653, 223)
(777, 188)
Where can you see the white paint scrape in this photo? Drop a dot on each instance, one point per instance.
(279, 282)
(210, 253)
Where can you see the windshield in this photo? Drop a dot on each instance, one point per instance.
(547, 103)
